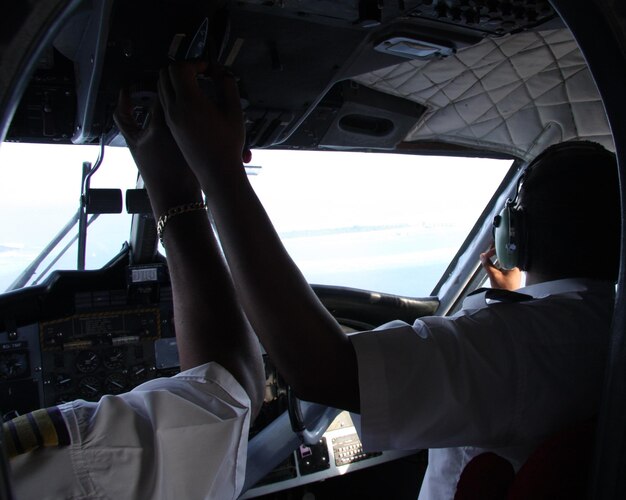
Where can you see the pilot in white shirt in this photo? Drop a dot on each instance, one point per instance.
(170, 438)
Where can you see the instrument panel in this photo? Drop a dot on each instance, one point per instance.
(83, 344)
(109, 343)
(88, 355)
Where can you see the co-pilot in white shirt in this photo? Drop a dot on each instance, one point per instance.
(175, 438)
(498, 377)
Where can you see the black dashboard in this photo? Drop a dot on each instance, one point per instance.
(84, 334)
(66, 339)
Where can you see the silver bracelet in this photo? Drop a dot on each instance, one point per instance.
(173, 212)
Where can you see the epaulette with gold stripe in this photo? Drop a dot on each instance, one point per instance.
(39, 428)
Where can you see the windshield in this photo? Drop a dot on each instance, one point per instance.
(384, 222)
(40, 192)
(376, 221)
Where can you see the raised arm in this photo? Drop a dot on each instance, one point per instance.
(500, 278)
(306, 343)
(210, 325)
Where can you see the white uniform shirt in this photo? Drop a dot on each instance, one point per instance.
(499, 377)
(183, 437)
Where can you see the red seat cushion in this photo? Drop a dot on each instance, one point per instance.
(487, 477)
(559, 468)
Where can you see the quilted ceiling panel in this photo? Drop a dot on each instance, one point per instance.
(516, 94)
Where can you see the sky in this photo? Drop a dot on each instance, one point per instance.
(347, 218)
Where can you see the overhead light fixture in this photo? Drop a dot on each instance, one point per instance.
(413, 48)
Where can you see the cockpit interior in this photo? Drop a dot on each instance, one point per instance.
(463, 85)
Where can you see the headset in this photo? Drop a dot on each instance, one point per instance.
(509, 231)
(509, 227)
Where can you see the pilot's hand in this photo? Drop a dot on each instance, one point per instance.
(500, 278)
(208, 127)
(165, 172)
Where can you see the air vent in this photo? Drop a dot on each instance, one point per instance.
(366, 125)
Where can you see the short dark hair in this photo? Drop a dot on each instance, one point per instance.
(571, 201)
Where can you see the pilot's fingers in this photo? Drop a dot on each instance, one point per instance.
(165, 89)
(230, 89)
(183, 77)
(123, 118)
(157, 118)
(485, 259)
(499, 278)
(488, 265)
(493, 272)
(246, 155)
(199, 66)
(490, 253)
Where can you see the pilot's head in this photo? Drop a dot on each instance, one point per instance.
(567, 213)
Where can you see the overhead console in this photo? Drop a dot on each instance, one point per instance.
(294, 60)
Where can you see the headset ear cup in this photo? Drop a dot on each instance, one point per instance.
(507, 237)
(521, 239)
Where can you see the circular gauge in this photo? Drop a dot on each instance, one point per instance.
(113, 359)
(87, 361)
(13, 365)
(89, 388)
(63, 382)
(115, 383)
(138, 373)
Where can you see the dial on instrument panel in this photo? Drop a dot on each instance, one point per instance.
(139, 373)
(87, 361)
(63, 382)
(13, 364)
(115, 383)
(89, 387)
(113, 358)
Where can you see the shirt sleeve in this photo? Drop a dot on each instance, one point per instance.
(429, 385)
(501, 375)
(169, 438)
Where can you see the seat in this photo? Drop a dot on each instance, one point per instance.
(560, 467)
